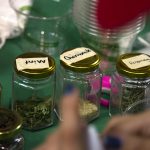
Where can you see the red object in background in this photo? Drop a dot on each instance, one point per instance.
(112, 14)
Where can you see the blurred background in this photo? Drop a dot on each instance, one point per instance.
(53, 26)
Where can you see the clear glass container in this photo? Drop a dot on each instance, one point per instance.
(128, 85)
(85, 75)
(40, 22)
(10, 130)
(36, 89)
(109, 43)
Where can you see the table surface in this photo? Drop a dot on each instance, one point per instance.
(7, 56)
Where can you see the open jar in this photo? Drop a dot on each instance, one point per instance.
(33, 89)
(130, 83)
(81, 70)
(10, 130)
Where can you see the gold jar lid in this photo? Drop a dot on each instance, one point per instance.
(10, 123)
(134, 65)
(80, 60)
(32, 72)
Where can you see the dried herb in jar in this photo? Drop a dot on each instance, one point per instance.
(130, 96)
(10, 130)
(88, 110)
(131, 82)
(36, 112)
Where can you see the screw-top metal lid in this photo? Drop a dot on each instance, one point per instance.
(10, 123)
(34, 65)
(134, 65)
(80, 60)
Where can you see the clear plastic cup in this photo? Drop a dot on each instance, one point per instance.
(108, 43)
(39, 22)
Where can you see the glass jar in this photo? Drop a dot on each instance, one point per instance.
(82, 71)
(33, 89)
(130, 83)
(10, 130)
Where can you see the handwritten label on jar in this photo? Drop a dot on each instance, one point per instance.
(32, 63)
(137, 61)
(76, 55)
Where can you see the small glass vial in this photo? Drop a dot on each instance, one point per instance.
(33, 89)
(10, 130)
(81, 70)
(130, 83)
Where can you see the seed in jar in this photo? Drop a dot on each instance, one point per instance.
(88, 109)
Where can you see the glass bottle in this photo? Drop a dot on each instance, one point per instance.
(129, 85)
(84, 74)
(33, 89)
(10, 130)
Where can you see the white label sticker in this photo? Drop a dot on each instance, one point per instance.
(137, 61)
(76, 55)
(32, 63)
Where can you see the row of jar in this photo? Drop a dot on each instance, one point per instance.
(34, 91)
(39, 84)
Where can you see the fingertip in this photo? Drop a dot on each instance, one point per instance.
(70, 100)
(70, 110)
(70, 103)
(68, 89)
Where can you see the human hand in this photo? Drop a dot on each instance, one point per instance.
(128, 132)
(71, 134)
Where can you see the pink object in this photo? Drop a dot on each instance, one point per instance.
(104, 102)
(95, 85)
(112, 14)
(106, 83)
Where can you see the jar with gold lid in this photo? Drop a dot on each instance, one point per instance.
(10, 130)
(81, 70)
(33, 89)
(130, 83)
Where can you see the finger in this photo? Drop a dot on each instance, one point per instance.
(133, 124)
(53, 138)
(72, 129)
(114, 123)
(126, 142)
(70, 111)
(41, 147)
(51, 143)
(136, 143)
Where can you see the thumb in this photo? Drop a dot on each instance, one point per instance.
(73, 130)
(70, 111)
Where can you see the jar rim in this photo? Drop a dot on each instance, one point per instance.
(82, 66)
(125, 70)
(36, 73)
(10, 124)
